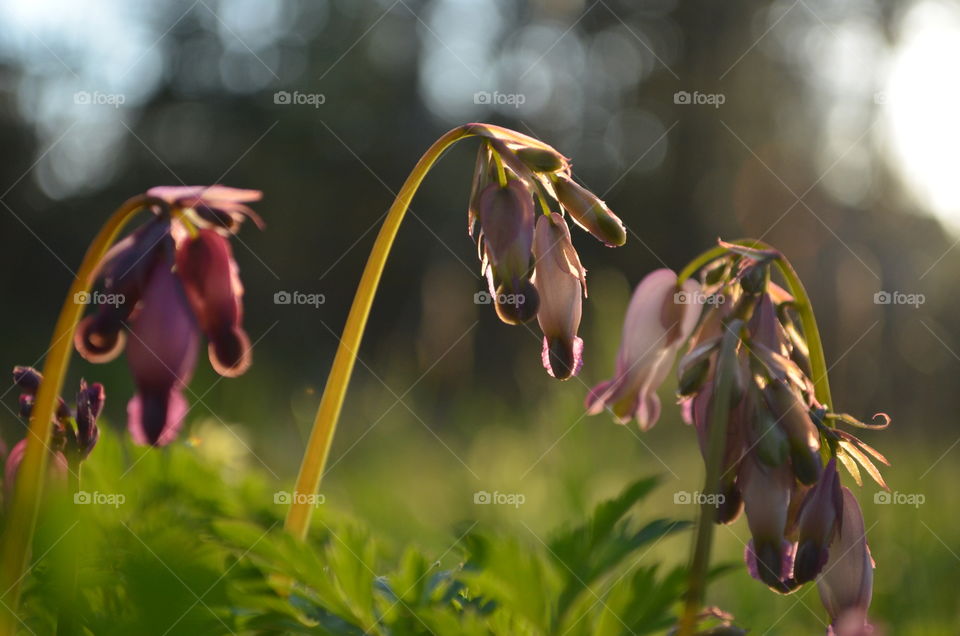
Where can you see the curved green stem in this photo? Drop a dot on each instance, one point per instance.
(325, 422)
(15, 548)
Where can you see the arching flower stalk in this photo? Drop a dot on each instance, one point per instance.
(754, 387)
(530, 265)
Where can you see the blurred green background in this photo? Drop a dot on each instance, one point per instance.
(826, 128)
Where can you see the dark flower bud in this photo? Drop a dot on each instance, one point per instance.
(754, 279)
(769, 440)
(731, 505)
(517, 306)
(846, 584)
(802, 434)
(541, 160)
(590, 213)
(821, 509)
(693, 377)
(90, 401)
(27, 379)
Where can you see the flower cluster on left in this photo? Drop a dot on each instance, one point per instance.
(169, 280)
(75, 431)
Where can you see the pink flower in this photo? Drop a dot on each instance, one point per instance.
(162, 352)
(659, 320)
(163, 307)
(57, 469)
(766, 495)
(846, 583)
(561, 283)
(212, 282)
(820, 512)
(506, 219)
(217, 205)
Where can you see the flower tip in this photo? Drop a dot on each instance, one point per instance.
(561, 358)
(517, 307)
(155, 420)
(230, 353)
(809, 561)
(27, 379)
(97, 345)
(612, 230)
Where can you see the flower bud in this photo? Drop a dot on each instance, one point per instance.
(541, 159)
(846, 584)
(768, 439)
(693, 377)
(506, 217)
(90, 401)
(802, 435)
(560, 280)
(516, 306)
(27, 379)
(820, 511)
(754, 279)
(732, 504)
(590, 213)
(766, 498)
(211, 280)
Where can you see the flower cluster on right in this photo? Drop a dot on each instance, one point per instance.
(781, 445)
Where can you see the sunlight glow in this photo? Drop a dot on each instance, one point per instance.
(920, 106)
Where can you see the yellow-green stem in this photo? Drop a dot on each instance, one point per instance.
(15, 548)
(325, 422)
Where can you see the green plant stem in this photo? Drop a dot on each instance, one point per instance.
(325, 422)
(719, 415)
(15, 547)
(67, 616)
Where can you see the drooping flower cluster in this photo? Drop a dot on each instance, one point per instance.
(75, 431)
(170, 279)
(781, 445)
(531, 266)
